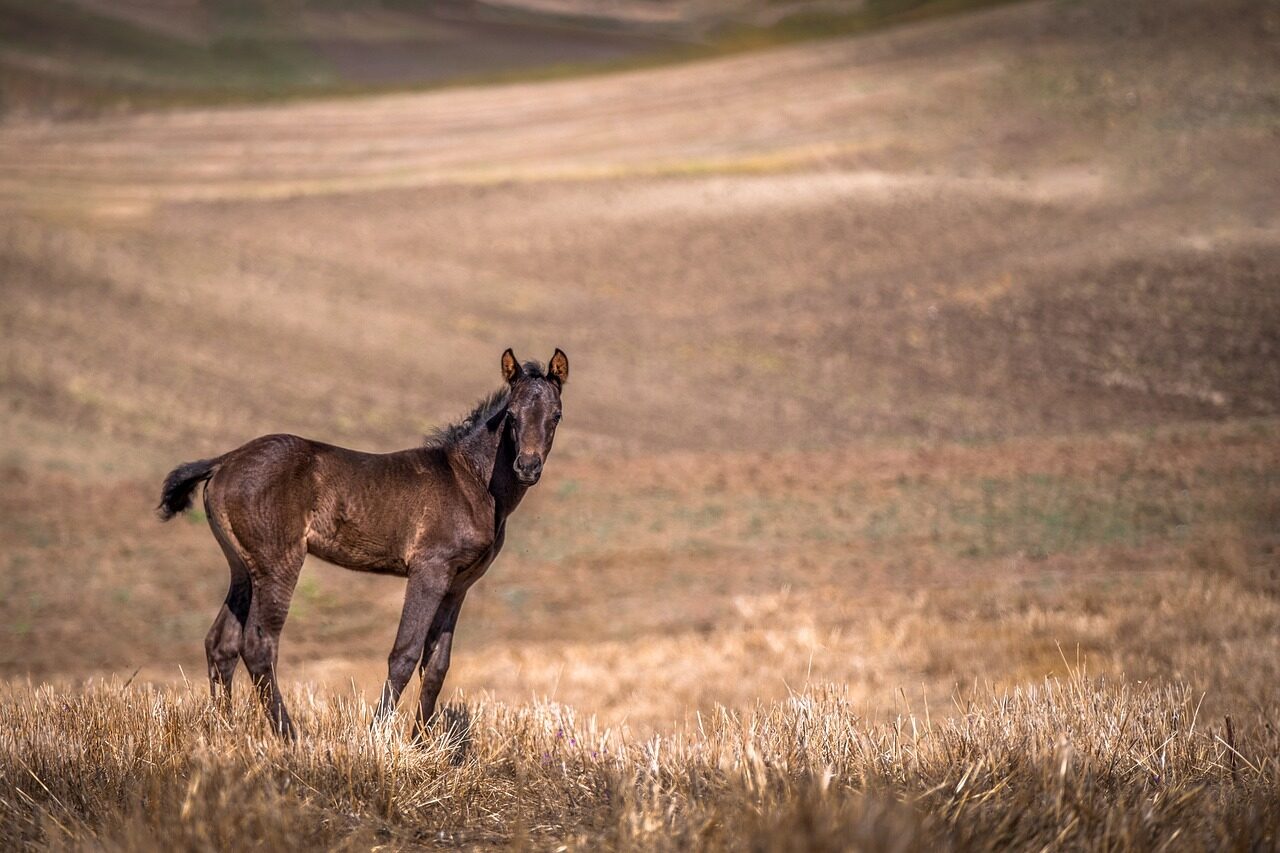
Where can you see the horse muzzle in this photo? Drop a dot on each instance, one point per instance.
(528, 469)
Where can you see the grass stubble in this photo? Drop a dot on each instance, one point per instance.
(1071, 762)
(949, 547)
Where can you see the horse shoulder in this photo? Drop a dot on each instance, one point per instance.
(446, 518)
(469, 534)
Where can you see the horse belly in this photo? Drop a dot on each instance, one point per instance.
(346, 546)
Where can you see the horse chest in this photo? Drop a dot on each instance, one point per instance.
(473, 566)
(470, 574)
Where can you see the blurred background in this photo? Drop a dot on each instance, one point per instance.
(916, 344)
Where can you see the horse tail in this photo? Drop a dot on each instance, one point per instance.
(175, 496)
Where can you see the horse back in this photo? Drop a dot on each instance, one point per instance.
(374, 512)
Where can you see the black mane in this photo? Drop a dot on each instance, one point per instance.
(447, 436)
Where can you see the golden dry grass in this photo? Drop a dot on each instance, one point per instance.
(1075, 762)
(915, 376)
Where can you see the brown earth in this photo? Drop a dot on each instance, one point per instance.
(936, 356)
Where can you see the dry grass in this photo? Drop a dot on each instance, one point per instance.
(1075, 762)
(933, 364)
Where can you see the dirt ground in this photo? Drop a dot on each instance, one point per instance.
(942, 355)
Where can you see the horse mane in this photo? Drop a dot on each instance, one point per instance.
(449, 435)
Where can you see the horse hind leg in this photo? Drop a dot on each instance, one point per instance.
(222, 645)
(259, 516)
(260, 648)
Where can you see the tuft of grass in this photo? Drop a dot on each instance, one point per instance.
(1073, 761)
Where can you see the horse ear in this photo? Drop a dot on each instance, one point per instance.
(511, 370)
(558, 367)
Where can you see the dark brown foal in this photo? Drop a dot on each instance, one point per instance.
(435, 515)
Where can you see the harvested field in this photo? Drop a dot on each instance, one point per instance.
(918, 483)
(1143, 770)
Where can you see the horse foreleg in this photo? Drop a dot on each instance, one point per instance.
(435, 658)
(426, 588)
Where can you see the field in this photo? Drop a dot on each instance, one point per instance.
(918, 488)
(77, 58)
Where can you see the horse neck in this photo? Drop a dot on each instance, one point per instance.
(507, 491)
(491, 457)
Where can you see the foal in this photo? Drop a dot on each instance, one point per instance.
(435, 514)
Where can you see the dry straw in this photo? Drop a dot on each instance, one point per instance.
(1074, 763)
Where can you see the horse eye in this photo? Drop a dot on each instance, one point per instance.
(556, 417)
